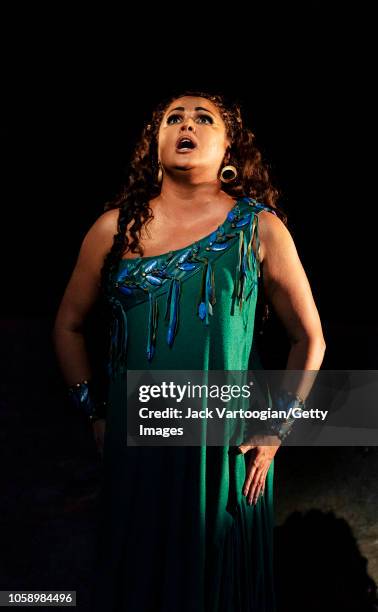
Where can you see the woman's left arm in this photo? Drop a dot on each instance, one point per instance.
(287, 288)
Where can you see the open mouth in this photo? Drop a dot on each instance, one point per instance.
(185, 144)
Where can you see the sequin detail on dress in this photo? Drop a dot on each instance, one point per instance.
(145, 279)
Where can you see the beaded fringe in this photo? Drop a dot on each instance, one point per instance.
(171, 314)
(153, 317)
(246, 260)
(207, 293)
(172, 309)
(118, 339)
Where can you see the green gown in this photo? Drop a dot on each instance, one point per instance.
(176, 533)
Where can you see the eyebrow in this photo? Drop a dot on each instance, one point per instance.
(197, 108)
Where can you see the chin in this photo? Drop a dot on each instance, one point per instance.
(184, 165)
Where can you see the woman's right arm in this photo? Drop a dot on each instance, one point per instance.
(81, 293)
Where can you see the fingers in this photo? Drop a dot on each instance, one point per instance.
(257, 488)
(254, 485)
(251, 471)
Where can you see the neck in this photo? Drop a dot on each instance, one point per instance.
(181, 199)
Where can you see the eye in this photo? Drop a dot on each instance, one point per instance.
(173, 118)
(205, 119)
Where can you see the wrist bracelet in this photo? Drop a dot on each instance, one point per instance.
(85, 398)
(286, 401)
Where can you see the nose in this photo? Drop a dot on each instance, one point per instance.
(188, 124)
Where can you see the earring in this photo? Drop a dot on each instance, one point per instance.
(228, 174)
(160, 173)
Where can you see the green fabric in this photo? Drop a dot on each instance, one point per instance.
(177, 535)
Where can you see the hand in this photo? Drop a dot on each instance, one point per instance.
(99, 431)
(259, 462)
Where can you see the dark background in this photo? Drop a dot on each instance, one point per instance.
(77, 89)
(77, 98)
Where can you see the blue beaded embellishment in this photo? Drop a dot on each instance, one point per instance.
(142, 280)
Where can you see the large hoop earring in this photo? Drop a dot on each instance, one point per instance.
(228, 174)
(160, 173)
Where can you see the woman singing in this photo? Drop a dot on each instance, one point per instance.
(179, 258)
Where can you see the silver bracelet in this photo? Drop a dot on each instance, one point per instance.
(284, 400)
(86, 398)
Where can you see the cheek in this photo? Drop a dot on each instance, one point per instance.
(165, 138)
(162, 141)
(216, 147)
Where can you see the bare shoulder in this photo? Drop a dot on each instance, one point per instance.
(103, 229)
(98, 240)
(274, 236)
(107, 222)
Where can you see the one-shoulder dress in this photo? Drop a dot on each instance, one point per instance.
(176, 534)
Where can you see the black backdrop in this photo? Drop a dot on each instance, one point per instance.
(77, 97)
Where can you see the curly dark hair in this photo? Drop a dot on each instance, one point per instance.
(133, 200)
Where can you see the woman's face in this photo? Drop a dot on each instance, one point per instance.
(192, 136)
